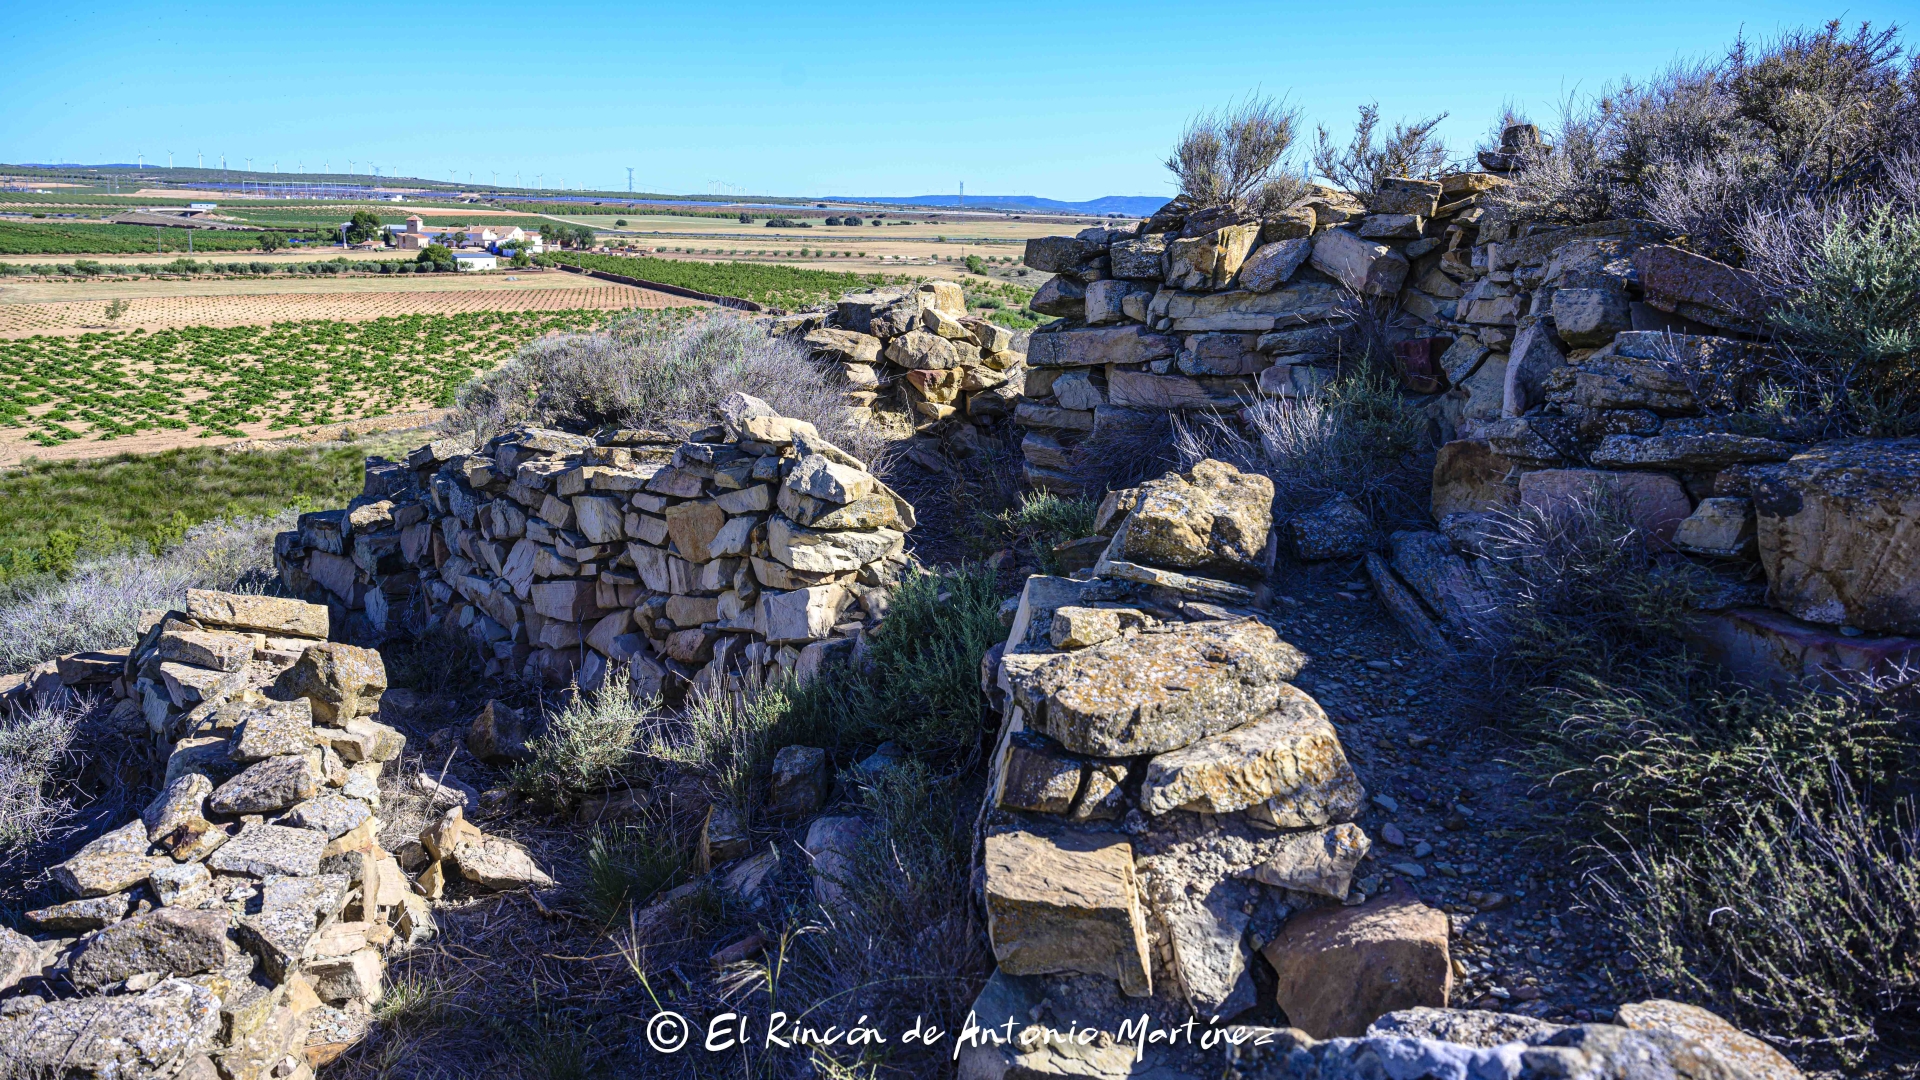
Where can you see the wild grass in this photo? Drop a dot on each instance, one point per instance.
(1748, 843)
(62, 513)
(32, 745)
(98, 604)
(628, 864)
(643, 372)
(1041, 521)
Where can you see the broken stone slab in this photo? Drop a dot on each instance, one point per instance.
(171, 941)
(1534, 359)
(1273, 265)
(277, 938)
(1687, 451)
(1209, 959)
(128, 1035)
(1839, 534)
(1157, 692)
(1208, 262)
(1366, 267)
(188, 686)
(267, 786)
(1428, 564)
(799, 616)
(356, 977)
(1298, 304)
(1341, 967)
(361, 739)
(1131, 344)
(109, 864)
(180, 884)
(1199, 588)
(1213, 518)
(1291, 755)
(92, 913)
(333, 815)
(1654, 503)
(274, 615)
(1720, 528)
(1066, 904)
(1319, 861)
(273, 729)
(824, 551)
(1079, 627)
(209, 649)
(1035, 775)
(1698, 288)
(832, 843)
(261, 850)
(498, 864)
(341, 681)
(1762, 647)
(847, 346)
(19, 957)
(1405, 609)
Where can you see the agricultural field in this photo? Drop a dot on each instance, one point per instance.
(70, 238)
(777, 286)
(202, 382)
(67, 306)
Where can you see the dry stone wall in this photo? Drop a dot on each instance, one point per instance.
(1560, 367)
(239, 926)
(692, 560)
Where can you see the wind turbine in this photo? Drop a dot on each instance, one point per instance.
(199, 160)
(169, 159)
(139, 160)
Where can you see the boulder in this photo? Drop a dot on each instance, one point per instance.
(1653, 503)
(1291, 755)
(798, 785)
(1336, 529)
(1366, 267)
(1272, 265)
(342, 681)
(820, 477)
(1535, 357)
(1732, 1046)
(1839, 534)
(111, 863)
(1391, 226)
(1065, 904)
(1698, 288)
(1154, 693)
(334, 815)
(1404, 195)
(1077, 390)
(93, 913)
(918, 350)
(1339, 968)
(1212, 518)
(1035, 775)
(170, 941)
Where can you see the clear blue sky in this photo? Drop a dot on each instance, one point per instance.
(1068, 101)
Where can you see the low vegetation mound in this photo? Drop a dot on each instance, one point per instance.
(772, 285)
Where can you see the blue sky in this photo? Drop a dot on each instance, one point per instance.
(1068, 101)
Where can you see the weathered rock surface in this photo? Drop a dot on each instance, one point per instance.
(1839, 534)
(1654, 503)
(1213, 518)
(110, 1038)
(1340, 968)
(1158, 692)
(170, 941)
(1336, 529)
(342, 681)
(257, 614)
(1291, 755)
(1066, 904)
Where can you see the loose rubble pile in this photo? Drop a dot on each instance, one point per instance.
(1164, 803)
(1564, 368)
(239, 926)
(956, 372)
(690, 561)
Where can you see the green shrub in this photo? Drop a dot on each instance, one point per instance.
(628, 864)
(588, 745)
(1043, 520)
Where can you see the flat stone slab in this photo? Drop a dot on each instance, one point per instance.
(1290, 756)
(1066, 904)
(261, 850)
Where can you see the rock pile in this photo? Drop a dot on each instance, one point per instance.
(956, 371)
(745, 548)
(1162, 799)
(246, 914)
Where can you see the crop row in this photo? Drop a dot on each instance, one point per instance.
(774, 285)
(33, 238)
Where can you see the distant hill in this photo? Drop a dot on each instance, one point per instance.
(1130, 205)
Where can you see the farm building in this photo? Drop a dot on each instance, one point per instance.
(469, 262)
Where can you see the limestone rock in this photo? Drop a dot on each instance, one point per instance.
(845, 345)
(1131, 344)
(1213, 518)
(1272, 265)
(19, 957)
(1035, 775)
(1139, 259)
(1654, 502)
(1698, 288)
(1427, 563)
(176, 819)
(494, 863)
(1687, 451)
(1319, 861)
(1470, 478)
(1291, 755)
(355, 977)
(1154, 693)
(1721, 528)
(122, 1036)
(171, 941)
(1060, 296)
(257, 614)
(333, 815)
(1336, 529)
(799, 616)
(832, 843)
(820, 477)
(260, 850)
(1731, 1045)
(1462, 1026)
(1341, 967)
(1404, 195)
(1535, 358)
(1839, 534)
(1079, 627)
(92, 913)
(1364, 266)
(799, 783)
(499, 733)
(274, 728)
(1206, 263)
(342, 681)
(109, 864)
(822, 551)
(1066, 904)
(1209, 958)
(1767, 648)
(209, 649)
(267, 786)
